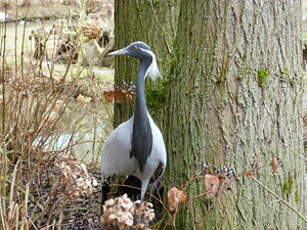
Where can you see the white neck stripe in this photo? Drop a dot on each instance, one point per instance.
(153, 70)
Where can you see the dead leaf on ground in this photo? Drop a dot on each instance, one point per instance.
(74, 178)
(175, 197)
(122, 213)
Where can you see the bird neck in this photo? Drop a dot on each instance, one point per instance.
(140, 101)
(141, 142)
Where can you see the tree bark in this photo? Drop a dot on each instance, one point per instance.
(153, 22)
(236, 97)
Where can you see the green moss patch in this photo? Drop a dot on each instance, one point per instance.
(262, 77)
(287, 187)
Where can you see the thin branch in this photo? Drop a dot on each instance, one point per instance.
(3, 44)
(280, 199)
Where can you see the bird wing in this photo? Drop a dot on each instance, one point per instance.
(115, 158)
(158, 146)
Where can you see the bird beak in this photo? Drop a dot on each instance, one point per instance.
(118, 52)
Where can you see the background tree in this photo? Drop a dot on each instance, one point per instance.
(236, 96)
(234, 88)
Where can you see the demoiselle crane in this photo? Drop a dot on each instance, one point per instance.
(136, 147)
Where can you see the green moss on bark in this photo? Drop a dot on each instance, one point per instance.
(262, 77)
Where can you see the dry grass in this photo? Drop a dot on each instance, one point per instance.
(35, 112)
(40, 104)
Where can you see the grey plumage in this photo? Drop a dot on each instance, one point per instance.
(136, 147)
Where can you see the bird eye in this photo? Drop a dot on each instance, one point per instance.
(135, 47)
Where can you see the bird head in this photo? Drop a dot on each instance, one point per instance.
(143, 52)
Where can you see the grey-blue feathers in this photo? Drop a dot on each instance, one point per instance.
(136, 147)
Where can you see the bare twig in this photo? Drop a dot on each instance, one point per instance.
(279, 198)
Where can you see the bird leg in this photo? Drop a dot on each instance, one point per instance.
(144, 188)
(156, 188)
(157, 178)
(105, 190)
(132, 187)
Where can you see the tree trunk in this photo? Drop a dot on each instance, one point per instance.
(236, 96)
(153, 22)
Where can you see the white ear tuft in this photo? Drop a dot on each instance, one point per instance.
(154, 72)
